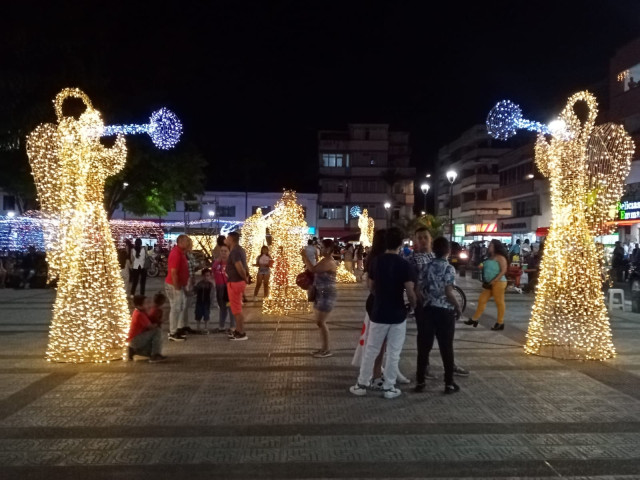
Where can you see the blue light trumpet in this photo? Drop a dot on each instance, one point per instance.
(505, 119)
(164, 128)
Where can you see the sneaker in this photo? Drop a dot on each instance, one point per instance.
(157, 358)
(402, 379)
(176, 337)
(359, 390)
(239, 336)
(377, 383)
(323, 354)
(392, 393)
(188, 330)
(231, 333)
(459, 371)
(451, 388)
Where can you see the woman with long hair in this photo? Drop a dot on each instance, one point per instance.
(494, 283)
(324, 282)
(138, 267)
(263, 262)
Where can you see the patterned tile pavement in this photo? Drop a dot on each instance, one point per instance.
(265, 408)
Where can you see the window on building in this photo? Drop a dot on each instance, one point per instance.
(227, 211)
(265, 209)
(8, 202)
(191, 206)
(332, 212)
(629, 78)
(333, 160)
(526, 207)
(481, 195)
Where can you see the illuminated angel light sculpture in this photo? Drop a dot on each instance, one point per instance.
(289, 233)
(254, 235)
(366, 226)
(70, 166)
(587, 166)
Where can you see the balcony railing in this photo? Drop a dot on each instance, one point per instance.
(480, 179)
(514, 190)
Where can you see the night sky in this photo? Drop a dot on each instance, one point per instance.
(252, 82)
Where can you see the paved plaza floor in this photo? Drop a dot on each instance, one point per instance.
(266, 409)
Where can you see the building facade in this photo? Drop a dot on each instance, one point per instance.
(365, 166)
(471, 200)
(229, 207)
(624, 108)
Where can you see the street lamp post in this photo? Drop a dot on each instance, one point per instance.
(212, 214)
(451, 176)
(387, 206)
(425, 190)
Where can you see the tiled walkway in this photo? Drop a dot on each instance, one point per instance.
(266, 409)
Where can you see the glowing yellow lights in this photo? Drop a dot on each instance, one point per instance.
(288, 230)
(366, 226)
(623, 75)
(343, 275)
(587, 169)
(254, 233)
(69, 165)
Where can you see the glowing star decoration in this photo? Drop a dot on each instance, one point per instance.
(355, 211)
(366, 226)
(70, 166)
(587, 166)
(253, 237)
(289, 232)
(164, 128)
(343, 275)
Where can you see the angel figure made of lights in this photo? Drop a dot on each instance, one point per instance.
(70, 166)
(586, 166)
(366, 226)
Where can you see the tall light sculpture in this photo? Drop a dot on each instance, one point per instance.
(254, 235)
(70, 166)
(366, 225)
(289, 233)
(451, 176)
(587, 166)
(425, 190)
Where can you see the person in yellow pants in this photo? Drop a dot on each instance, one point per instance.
(494, 283)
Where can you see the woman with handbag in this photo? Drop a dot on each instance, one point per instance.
(494, 283)
(324, 284)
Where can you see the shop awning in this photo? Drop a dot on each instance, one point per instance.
(542, 232)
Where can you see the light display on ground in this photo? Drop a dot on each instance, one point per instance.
(344, 276)
(253, 237)
(587, 166)
(288, 230)
(366, 225)
(70, 166)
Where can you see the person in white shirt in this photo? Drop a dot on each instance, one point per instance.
(138, 267)
(311, 252)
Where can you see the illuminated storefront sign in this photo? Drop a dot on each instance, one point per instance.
(458, 230)
(482, 228)
(628, 210)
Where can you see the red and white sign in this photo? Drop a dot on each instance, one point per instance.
(482, 228)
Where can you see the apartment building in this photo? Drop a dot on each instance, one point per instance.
(365, 166)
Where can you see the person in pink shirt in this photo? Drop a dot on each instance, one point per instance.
(219, 268)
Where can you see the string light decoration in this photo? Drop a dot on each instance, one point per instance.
(164, 128)
(289, 234)
(343, 275)
(253, 237)
(587, 166)
(366, 226)
(70, 166)
(355, 211)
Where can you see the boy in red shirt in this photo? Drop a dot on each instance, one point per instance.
(145, 338)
